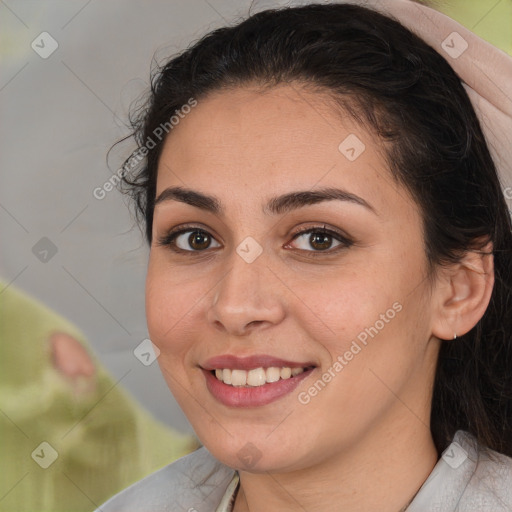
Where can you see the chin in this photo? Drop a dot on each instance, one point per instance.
(253, 452)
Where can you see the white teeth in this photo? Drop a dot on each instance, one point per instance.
(238, 377)
(257, 376)
(286, 373)
(273, 374)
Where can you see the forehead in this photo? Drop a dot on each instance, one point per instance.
(274, 140)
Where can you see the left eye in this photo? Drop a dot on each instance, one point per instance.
(320, 240)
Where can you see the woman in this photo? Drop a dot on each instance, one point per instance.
(329, 281)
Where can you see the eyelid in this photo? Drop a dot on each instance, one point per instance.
(323, 228)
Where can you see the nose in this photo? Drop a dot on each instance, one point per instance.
(247, 297)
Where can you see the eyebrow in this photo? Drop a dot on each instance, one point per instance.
(275, 206)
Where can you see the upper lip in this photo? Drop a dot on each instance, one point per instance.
(250, 362)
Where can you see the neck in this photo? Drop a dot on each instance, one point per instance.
(383, 471)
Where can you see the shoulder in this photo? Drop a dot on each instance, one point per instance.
(490, 485)
(468, 478)
(194, 482)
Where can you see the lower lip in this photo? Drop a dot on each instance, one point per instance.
(240, 396)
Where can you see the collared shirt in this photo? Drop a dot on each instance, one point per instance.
(467, 478)
(228, 500)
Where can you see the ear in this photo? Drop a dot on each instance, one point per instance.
(462, 293)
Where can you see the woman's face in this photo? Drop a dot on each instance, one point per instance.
(302, 271)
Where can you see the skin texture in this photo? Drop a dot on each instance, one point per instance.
(364, 439)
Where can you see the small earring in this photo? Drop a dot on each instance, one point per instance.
(455, 336)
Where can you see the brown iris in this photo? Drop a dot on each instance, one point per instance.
(320, 241)
(199, 240)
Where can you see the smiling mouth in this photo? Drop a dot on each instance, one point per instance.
(257, 376)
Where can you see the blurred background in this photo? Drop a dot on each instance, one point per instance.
(69, 71)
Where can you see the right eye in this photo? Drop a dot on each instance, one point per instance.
(188, 240)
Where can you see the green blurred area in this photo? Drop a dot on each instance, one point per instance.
(489, 19)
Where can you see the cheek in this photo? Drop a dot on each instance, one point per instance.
(346, 302)
(171, 312)
(366, 317)
(171, 303)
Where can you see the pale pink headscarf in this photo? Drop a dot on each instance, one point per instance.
(485, 70)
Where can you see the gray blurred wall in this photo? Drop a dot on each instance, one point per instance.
(59, 114)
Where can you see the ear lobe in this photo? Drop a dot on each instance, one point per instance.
(463, 293)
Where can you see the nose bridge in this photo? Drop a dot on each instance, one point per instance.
(245, 296)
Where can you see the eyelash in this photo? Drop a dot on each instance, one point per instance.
(169, 240)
